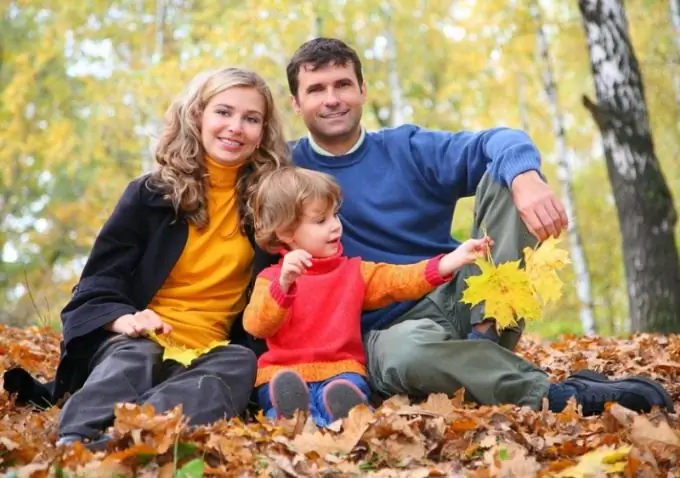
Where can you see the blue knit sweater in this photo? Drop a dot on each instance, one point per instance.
(401, 185)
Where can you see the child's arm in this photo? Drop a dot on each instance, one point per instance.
(268, 308)
(388, 283)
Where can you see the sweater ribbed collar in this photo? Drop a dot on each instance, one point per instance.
(324, 265)
(221, 176)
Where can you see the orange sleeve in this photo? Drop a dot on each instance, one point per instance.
(268, 308)
(388, 283)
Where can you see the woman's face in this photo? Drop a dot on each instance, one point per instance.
(232, 124)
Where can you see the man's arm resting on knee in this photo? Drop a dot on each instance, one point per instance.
(459, 160)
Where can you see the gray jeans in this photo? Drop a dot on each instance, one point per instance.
(216, 385)
(425, 351)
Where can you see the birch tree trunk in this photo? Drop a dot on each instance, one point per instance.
(318, 26)
(643, 200)
(522, 101)
(149, 123)
(396, 95)
(578, 256)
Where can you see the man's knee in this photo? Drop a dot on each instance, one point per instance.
(411, 351)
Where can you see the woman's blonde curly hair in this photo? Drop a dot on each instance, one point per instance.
(181, 173)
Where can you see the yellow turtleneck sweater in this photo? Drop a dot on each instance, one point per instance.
(205, 290)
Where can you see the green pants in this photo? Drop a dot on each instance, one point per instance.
(425, 351)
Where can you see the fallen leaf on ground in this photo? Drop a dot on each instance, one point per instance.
(596, 462)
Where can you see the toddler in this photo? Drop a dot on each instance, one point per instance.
(308, 306)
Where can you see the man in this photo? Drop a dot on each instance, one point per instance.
(400, 188)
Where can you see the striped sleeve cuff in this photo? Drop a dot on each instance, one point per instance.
(432, 274)
(280, 297)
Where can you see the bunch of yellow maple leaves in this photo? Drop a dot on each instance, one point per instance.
(510, 291)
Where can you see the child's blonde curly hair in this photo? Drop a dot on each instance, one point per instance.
(281, 197)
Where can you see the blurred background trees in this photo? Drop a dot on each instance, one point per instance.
(83, 89)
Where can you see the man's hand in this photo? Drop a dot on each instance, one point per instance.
(541, 211)
(140, 323)
(294, 265)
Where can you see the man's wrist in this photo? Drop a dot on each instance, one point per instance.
(530, 175)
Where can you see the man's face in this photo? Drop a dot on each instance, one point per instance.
(330, 101)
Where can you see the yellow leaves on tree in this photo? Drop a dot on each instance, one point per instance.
(510, 292)
(180, 353)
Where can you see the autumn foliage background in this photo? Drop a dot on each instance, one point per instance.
(83, 87)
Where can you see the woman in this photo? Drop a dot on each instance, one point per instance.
(173, 264)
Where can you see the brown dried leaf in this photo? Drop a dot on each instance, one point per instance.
(644, 432)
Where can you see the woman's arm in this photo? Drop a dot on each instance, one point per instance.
(103, 292)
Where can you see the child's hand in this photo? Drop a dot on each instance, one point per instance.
(467, 253)
(295, 263)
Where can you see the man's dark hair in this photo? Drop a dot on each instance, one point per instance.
(318, 53)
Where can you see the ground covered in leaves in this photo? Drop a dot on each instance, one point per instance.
(438, 437)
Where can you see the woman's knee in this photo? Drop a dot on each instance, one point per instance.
(236, 358)
(126, 353)
(248, 359)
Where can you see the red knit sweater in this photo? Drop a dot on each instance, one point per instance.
(315, 328)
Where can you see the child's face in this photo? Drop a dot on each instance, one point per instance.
(319, 231)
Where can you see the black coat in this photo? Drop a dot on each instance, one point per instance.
(131, 258)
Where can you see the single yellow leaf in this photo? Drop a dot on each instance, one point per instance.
(547, 254)
(542, 265)
(546, 284)
(602, 460)
(182, 354)
(506, 292)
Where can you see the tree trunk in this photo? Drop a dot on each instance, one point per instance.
(522, 101)
(150, 123)
(317, 27)
(643, 201)
(578, 256)
(396, 95)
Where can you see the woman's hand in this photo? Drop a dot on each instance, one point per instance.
(139, 324)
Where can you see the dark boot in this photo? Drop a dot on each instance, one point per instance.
(593, 390)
